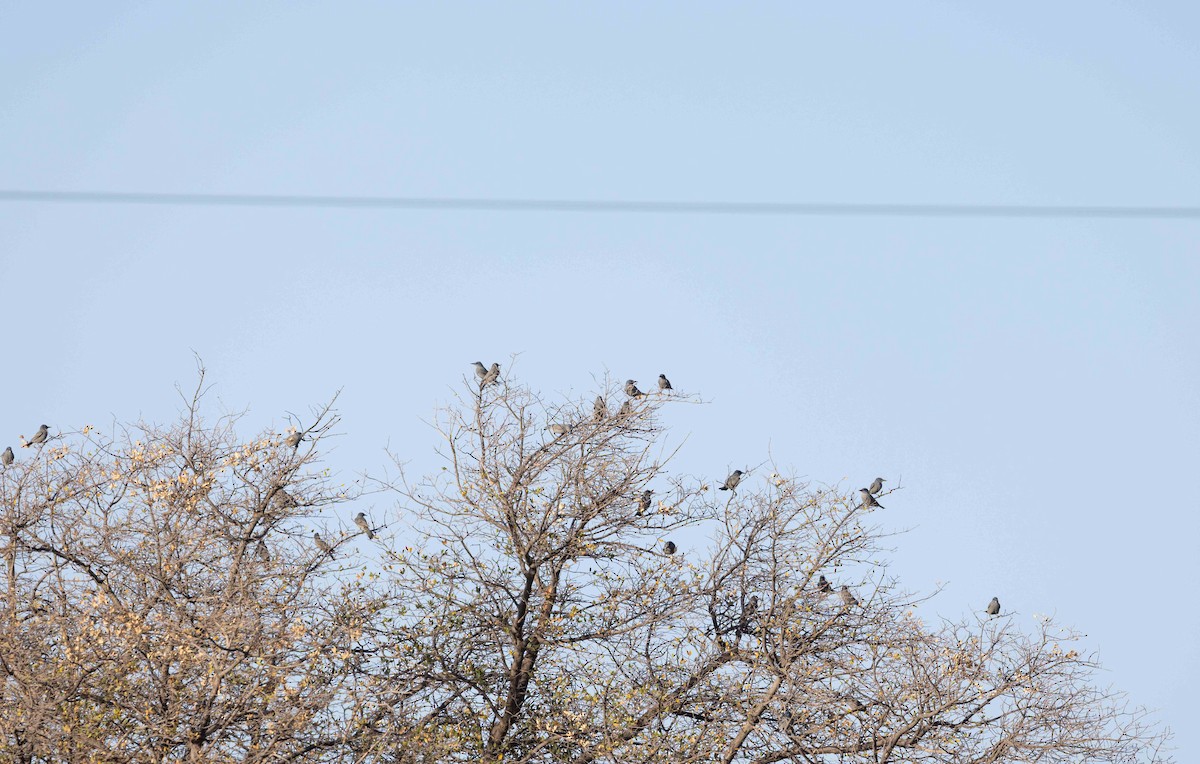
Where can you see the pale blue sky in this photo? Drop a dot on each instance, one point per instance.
(1034, 383)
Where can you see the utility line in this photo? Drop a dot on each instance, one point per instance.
(837, 209)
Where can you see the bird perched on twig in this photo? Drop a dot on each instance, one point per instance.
(664, 384)
(322, 544)
(669, 548)
(493, 375)
(848, 596)
(261, 551)
(644, 502)
(876, 486)
(626, 409)
(599, 409)
(868, 500)
(823, 585)
(732, 481)
(39, 437)
(631, 389)
(993, 607)
(748, 612)
(558, 430)
(294, 439)
(480, 371)
(7, 457)
(361, 521)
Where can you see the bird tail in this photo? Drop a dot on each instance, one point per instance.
(723, 488)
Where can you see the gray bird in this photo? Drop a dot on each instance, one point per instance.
(599, 409)
(294, 439)
(669, 548)
(868, 500)
(39, 437)
(631, 389)
(480, 371)
(732, 481)
(823, 585)
(7, 457)
(361, 521)
(492, 376)
(993, 607)
(664, 383)
(261, 552)
(876, 486)
(644, 502)
(322, 544)
(287, 500)
(626, 409)
(558, 430)
(848, 596)
(748, 613)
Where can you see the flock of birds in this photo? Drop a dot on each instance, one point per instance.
(491, 375)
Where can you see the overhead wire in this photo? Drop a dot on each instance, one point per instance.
(832, 209)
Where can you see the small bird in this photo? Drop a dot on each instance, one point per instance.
(7, 457)
(664, 384)
(748, 613)
(848, 596)
(492, 376)
(39, 437)
(732, 481)
(599, 409)
(853, 704)
(626, 409)
(868, 500)
(294, 439)
(993, 607)
(558, 430)
(261, 552)
(644, 502)
(823, 585)
(631, 389)
(876, 486)
(322, 544)
(287, 500)
(361, 521)
(669, 548)
(480, 371)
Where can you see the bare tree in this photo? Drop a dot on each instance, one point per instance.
(552, 628)
(164, 600)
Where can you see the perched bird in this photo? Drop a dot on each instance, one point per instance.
(287, 500)
(39, 437)
(868, 500)
(361, 521)
(480, 371)
(853, 704)
(7, 457)
(599, 409)
(993, 607)
(626, 409)
(558, 430)
(823, 585)
(669, 548)
(261, 551)
(294, 439)
(492, 376)
(631, 389)
(848, 596)
(748, 612)
(322, 544)
(664, 383)
(732, 481)
(876, 486)
(644, 502)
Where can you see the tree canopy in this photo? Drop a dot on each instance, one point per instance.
(165, 600)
